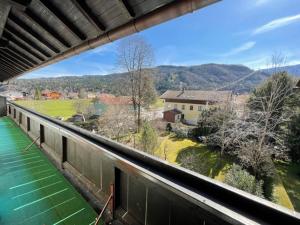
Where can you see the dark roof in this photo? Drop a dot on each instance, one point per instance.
(35, 33)
(211, 96)
(298, 84)
(175, 111)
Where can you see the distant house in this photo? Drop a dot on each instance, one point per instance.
(51, 94)
(187, 105)
(91, 95)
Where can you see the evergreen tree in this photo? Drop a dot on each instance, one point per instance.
(148, 138)
(294, 138)
(241, 179)
(37, 94)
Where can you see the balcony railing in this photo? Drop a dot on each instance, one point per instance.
(147, 190)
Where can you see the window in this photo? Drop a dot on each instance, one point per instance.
(199, 108)
(183, 107)
(191, 107)
(175, 106)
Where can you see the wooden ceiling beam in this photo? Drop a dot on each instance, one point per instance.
(33, 17)
(3, 43)
(22, 46)
(18, 57)
(14, 64)
(19, 4)
(88, 14)
(22, 55)
(62, 18)
(9, 68)
(18, 34)
(5, 55)
(125, 4)
(31, 32)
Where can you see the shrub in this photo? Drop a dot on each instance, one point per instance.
(169, 127)
(241, 179)
(149, 138)
(180, 133)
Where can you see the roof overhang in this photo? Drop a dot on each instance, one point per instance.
(36, 33)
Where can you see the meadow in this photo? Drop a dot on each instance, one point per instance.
(63, 108)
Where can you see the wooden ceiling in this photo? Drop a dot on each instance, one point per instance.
(35, 33)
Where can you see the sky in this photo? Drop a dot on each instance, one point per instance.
(244, 32)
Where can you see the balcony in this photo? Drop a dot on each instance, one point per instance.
(33, 190)
(146, 190)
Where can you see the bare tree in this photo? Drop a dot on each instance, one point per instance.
(116, 122)
(135, 55)
(83, 108)
(269, 112)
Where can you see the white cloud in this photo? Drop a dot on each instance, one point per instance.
(246, 46)
(261, 2)
(274, 24)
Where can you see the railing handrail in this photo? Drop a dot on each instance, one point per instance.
(238, 201)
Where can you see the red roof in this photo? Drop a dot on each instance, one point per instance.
(110, 99)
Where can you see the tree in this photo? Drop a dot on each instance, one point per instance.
(116, 122)
(293, 137)
(149, 138)
(82, 93)
(193, 161)
(216, 121)
(135, 55)
(241, 179)
(37, 94)
(83, 108)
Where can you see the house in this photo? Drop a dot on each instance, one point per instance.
(91, 95)
(186, 105)
(51, 94)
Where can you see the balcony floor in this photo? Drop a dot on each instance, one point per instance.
(32, 190)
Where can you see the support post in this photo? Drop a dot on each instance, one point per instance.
(3, 106)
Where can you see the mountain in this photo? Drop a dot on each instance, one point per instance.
(238, 78)
(293, 70)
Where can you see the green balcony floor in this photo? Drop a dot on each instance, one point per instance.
(32, 190)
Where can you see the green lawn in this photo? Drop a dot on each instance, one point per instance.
(290, 175)
(159, 103)
(55, 108)
(175, 149)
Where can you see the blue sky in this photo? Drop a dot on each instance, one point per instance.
(245, 32)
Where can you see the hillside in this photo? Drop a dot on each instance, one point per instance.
(238, 78)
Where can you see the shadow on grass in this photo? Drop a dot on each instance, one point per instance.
(202, 160)
(290, 176)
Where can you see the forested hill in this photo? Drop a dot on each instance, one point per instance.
(238, 78)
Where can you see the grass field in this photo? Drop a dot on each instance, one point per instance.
(159, 103)
(55, 108)
(214, 167)
(290, 176)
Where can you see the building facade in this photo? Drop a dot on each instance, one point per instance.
(188, 105)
